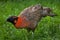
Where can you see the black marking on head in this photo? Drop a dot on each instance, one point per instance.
(12, 19)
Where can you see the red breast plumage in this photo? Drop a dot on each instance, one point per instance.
(22, 23)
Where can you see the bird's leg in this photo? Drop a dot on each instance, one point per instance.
(31, 31)
(28, 29)
(32, 35)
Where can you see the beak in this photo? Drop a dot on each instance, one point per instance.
(7, 20)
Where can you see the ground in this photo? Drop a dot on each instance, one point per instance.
(47, 29)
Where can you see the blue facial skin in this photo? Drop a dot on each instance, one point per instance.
(10, 19)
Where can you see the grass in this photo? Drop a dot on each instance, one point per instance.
(47, 29)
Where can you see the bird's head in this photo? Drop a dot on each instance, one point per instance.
(47, 12)
(12, 19)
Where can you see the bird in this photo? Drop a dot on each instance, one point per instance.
(30, 16)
